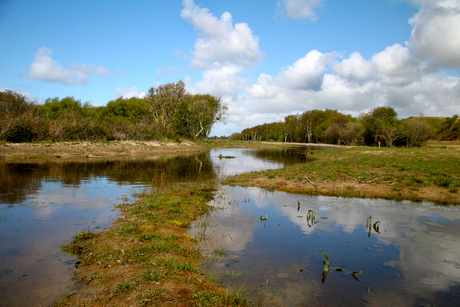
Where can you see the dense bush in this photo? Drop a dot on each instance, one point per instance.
(166, 112)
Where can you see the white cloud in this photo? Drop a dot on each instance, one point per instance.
(44, 68)
(128, 92)
(221, 80)
(219, 41)
(403, 77)
(354, 68)
(307, 73)
(392, 78)
(436, 33)
(300, 9)
(396, 65)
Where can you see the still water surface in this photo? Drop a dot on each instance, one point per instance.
(42, 205)
(411, 258)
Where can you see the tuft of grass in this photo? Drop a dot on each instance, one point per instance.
(443, 181)
(174, 265)
(124, 287)
(79, 242)
(219, 252)
(151, 276)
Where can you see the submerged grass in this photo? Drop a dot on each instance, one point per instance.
(147, 258)
(427, 173)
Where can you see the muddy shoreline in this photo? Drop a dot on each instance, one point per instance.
(94, 150)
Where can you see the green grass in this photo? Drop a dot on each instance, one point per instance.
(410, 169)
(219, 252)
(148, 256)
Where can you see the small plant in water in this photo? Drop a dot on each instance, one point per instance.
(325, 268)
(219, 251)
(226, 157)
(311, 218)
(262, 218)
(404, 271)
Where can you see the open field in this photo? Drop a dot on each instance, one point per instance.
(427, 173)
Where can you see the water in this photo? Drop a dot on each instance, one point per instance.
(410, 258)
(42, 205)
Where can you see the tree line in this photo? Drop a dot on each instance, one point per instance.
(378, 127)
(166, 112)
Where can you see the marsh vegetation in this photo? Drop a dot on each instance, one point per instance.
(429, 173)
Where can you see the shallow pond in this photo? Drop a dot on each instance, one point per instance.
(270, 245)
(44, 204)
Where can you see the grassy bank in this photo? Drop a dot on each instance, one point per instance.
(147, 258)
(428, 173)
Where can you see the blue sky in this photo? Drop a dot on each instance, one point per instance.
(265, 59)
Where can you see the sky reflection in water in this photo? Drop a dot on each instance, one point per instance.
(42, 205)
(423, 238)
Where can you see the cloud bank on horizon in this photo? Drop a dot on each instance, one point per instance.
(421, 76)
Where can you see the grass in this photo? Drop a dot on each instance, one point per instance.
(219, 252)
(147, 258)
(428, 173)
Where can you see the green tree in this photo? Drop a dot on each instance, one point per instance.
(132, 109)
(163, 103)
(416, 132)
(381, 124)
(202, 112)
(55, 107)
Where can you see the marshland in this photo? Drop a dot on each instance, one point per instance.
(138, 211)
(187, 230)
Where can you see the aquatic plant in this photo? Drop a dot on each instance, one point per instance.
(264, 218)
(325, 268)
(311, 218)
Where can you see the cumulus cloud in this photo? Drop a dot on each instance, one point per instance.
(436, 33)
(396, 65)
(354, 68)
(219, 40)
(221, 80)
(307, 73)
(129, 93)
(46, 69)
(300, 9)
(402, 77)
(392, 77)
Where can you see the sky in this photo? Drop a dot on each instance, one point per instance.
(265, 59)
